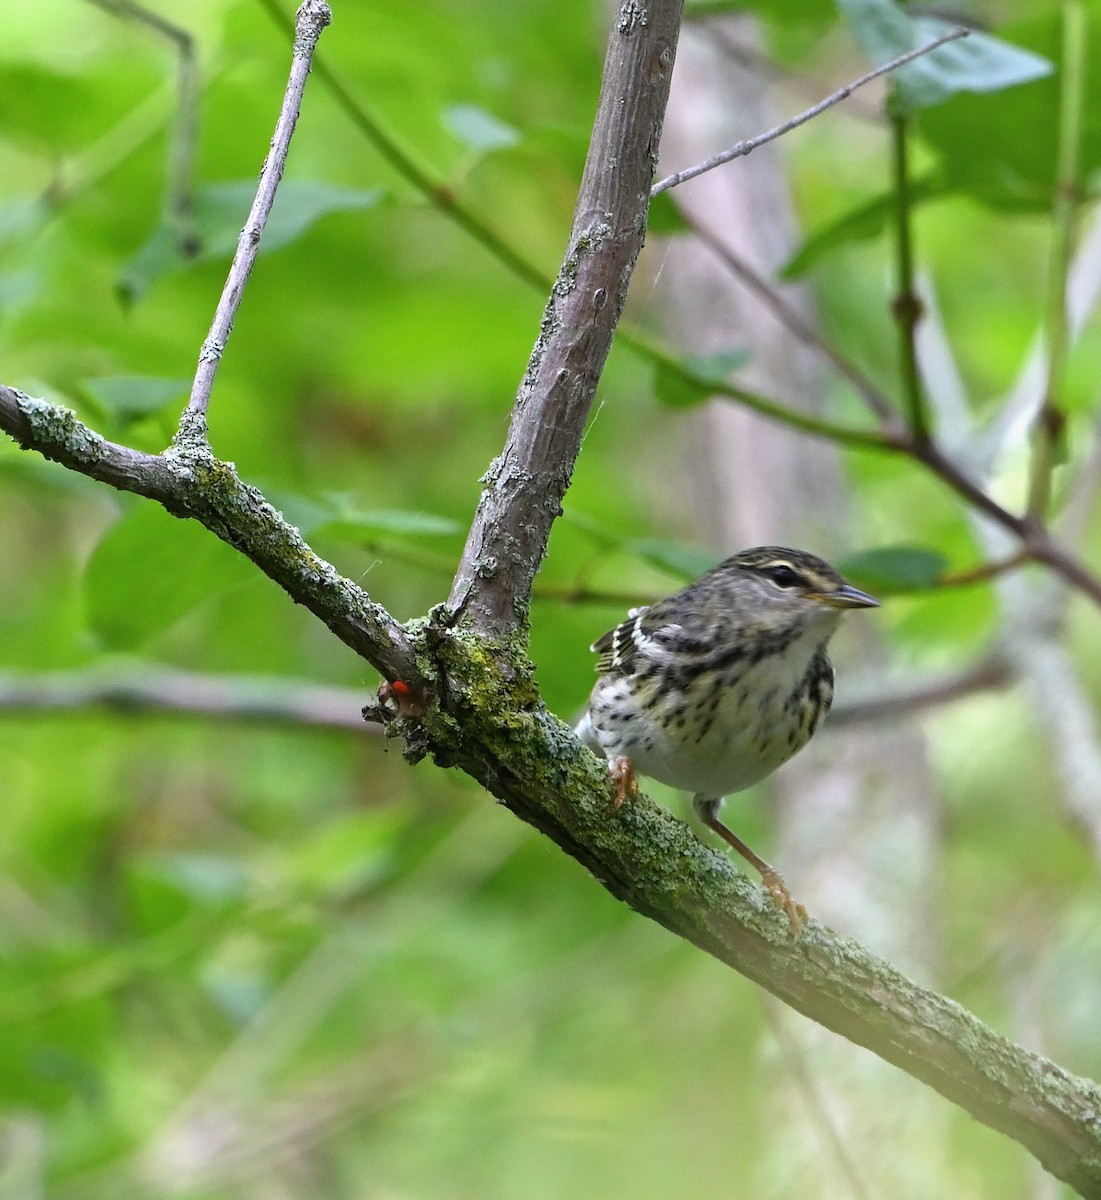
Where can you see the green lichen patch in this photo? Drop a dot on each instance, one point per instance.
(58, 432)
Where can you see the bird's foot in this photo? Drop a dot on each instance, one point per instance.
(622, 774)
(783, 899)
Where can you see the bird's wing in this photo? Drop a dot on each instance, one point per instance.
(643, 635)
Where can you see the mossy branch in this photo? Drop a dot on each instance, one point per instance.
(190, 482)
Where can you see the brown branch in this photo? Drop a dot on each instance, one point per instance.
(982, 572)
(740, 149)
(986, 675)
(525, 485)
(1058, 558)
(151, 689)
(191, 482)
(1037, 541)
(793, 322)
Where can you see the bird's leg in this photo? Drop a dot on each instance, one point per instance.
(707, 808)
(622, 774)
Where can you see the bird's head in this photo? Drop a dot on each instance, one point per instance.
(778, 590)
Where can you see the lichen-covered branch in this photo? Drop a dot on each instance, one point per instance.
(190, 482)
(525, 485)
(493, 728)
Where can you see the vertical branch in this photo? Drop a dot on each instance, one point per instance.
(178, 205)
(312, 18)
(525, 485)
(181, 164)
(1049, 432)
(907, 305)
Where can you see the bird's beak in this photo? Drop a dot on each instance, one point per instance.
(846, 596)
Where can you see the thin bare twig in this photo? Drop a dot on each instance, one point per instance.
(437, 193)
(986, 675)
(1037, 542)
(749, 144)
(984, 571)
(1050, 552)
(533, 763)
(928, 455)
(310, 21)
(179, 200)
(771, 297)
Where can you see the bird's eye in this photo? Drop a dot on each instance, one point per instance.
(783, 576)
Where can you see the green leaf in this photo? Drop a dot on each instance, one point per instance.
(891, 569)
(128, 398)
(149, 569)
(696, 381)
(352, 525)
(678, 558)
(1001, 149)
(858, 225)
(44, 108)
(664, 216)
(221, 210)
(478, 129)
(163, 889)
(977, 63)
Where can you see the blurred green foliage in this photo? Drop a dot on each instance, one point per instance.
(240, 961)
